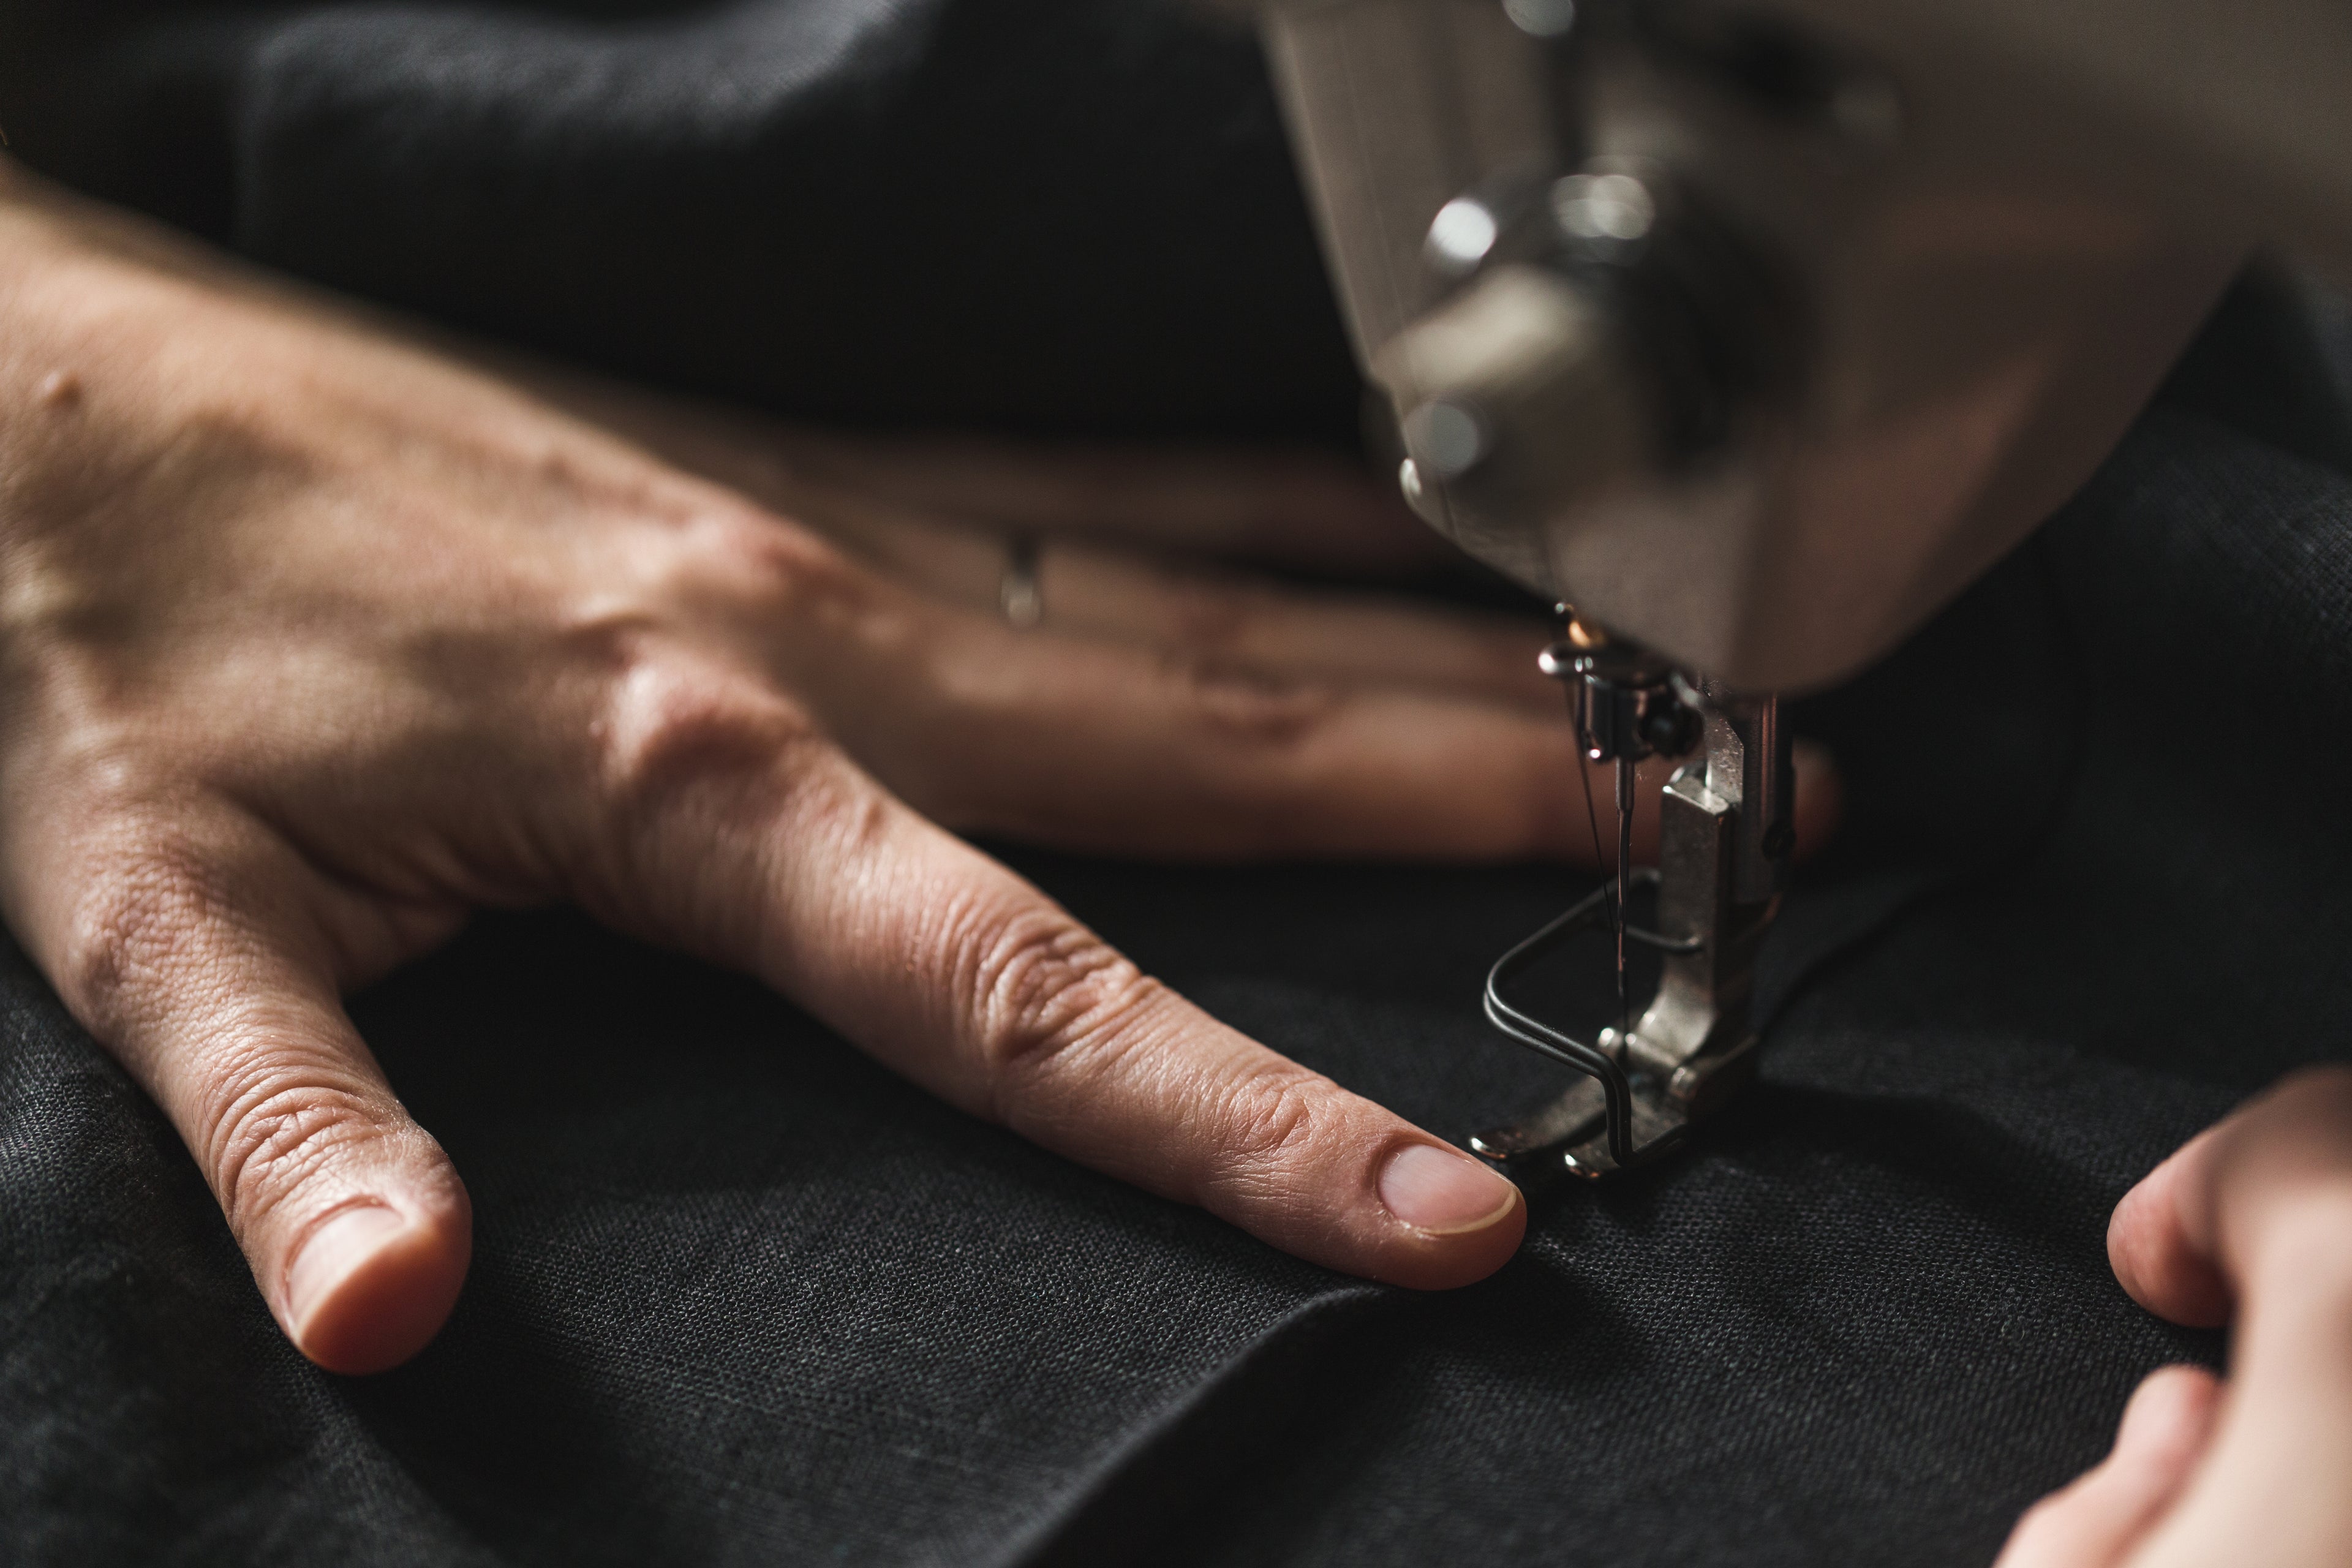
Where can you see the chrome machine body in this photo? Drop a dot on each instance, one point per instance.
(1755, 331)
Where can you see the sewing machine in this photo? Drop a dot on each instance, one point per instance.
(1754, 333)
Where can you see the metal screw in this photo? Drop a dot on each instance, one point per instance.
(1542, 18)
(1445, 439)
(1460, 235)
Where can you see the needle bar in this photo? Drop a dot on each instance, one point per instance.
(1624, 885)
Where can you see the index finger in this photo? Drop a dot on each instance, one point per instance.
(964, 978)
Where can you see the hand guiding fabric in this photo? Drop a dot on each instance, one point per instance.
(318, 641)
(2250, 1224)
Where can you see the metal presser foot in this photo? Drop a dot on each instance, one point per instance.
(1725, 838)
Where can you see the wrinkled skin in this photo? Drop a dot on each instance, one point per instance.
(316, 637)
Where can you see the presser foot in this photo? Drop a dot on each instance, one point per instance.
(1570, 1136)
(1641, 1092)
(1723, 838)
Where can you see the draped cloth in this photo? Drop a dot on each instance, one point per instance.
(738, 1295)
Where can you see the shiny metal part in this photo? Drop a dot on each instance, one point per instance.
(1757, 329)
(1020, 597)
(1724, 842)
(1462, 236)
(1629, 704)
(1776, 321)
(1542, 18)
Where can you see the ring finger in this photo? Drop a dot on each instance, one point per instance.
(1207, 616)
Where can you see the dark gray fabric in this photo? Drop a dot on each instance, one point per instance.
(1062, 214)
(741, 1297)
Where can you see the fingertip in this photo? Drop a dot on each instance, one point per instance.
(2110, 1508)
(2154, 1258)
(1821, 795)
(1456, 1219)
(2169, 1419)
(1453, 1261)
(2135, 1236)
(373, 1282)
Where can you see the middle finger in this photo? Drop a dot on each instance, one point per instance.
(1100, 746)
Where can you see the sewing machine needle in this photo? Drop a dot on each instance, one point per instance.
(1624, 885)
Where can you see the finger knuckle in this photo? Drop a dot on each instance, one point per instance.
(705, 775)
(1269, 1118)
(674, 720)
(271, 1128)
(690, 557)
(1248, 707)
(1042, 986)
(143, 897)
(1211, 618)
(739, 555)
(828, 801)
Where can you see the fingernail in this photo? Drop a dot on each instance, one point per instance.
(333, 1253)
(1443, 1193)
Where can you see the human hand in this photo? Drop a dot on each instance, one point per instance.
(312, 639)
(2250, 1224)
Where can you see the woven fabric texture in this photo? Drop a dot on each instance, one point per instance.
(742, 1297)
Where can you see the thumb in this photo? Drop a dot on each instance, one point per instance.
(204, 972)
(2098, 1519)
